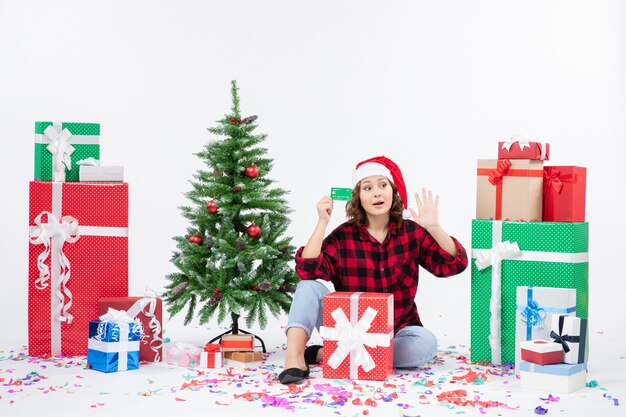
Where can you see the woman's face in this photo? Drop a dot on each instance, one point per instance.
(376, 195)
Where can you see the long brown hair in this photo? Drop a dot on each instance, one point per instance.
(356, 213)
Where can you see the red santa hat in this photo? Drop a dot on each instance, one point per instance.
(380, 165)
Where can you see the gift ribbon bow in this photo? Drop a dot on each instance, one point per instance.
(563, 338)
(502, 167)
(61, 150)
(91, 162)
(503, 250)
(212, 347)
(150, 300)
(118, 316)
(552, 178)
(522, 143)
(533, 315)
(353, 339)
(53, 234)
(543, 147)
(120, 321)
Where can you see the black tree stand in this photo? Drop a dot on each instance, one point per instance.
(234, 329)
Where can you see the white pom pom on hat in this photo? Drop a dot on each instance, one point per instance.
(381, 165)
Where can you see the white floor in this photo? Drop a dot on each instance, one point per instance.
(64, 387)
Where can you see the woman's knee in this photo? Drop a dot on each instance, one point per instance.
(310, 284)
(310, 287)
(414, 346)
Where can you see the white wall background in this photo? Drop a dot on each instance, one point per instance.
(431, 84)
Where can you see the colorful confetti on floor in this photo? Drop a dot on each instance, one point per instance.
(449, 385)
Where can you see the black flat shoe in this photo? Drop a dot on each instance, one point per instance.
(293, 375)
(310, 354)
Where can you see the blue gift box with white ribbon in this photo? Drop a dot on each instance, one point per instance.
(114, 342)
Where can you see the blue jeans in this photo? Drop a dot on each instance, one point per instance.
(413, 346)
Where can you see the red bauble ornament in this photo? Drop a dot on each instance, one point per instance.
(211, 207)
(253, 230)
(195, 239)
(216, 291)
(255, 287)
(252, 171)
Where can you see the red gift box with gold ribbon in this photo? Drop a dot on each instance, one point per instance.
(509, 189)
(564, 192)
(358, 335)
(78, 253)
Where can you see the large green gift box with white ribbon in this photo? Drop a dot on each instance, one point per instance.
(58, 146)
(506, 255)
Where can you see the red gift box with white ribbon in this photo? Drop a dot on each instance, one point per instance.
(78, 253)
(523, 149)
(358, 335)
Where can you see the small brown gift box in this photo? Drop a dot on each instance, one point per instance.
(244, 357)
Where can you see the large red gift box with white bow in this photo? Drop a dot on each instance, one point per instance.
(78, 253)
(358, 335)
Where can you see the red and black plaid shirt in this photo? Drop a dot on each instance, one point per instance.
(354, 261)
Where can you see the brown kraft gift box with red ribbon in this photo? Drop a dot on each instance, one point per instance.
(509, 189)
(149, 310)
(564, 192)
(358, 335)
(78, 253)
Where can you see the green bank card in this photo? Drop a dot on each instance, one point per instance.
(341, 194)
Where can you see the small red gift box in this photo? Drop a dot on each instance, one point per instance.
(78, 254)
(564, 189)
(541, 352)
(519, 149)
(149, 311)
(358, 335)
(237, 342)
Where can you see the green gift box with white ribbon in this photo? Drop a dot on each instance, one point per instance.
(506, 255)
(58, 146)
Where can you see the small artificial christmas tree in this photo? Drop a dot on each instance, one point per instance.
(234, 258)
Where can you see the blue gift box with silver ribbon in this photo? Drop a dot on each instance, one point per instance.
(114, 342)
